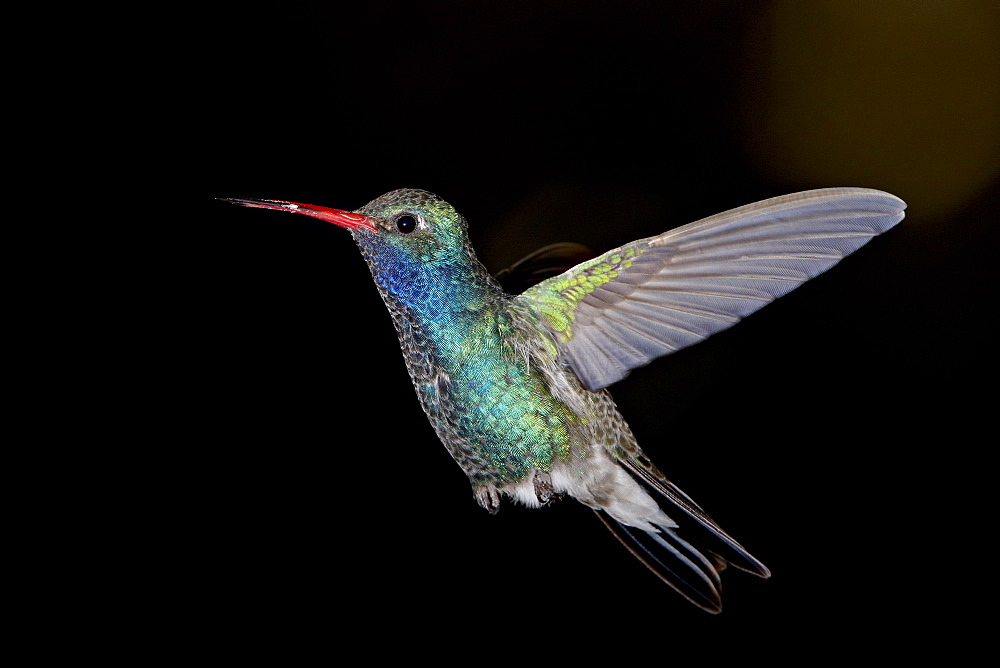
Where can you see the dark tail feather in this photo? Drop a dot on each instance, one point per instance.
(692, 564)
(694, 524)
(693, 575)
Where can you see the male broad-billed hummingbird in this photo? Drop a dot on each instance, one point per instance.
(514, 386)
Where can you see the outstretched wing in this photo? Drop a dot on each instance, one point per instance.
(544, 263)
(657, 295)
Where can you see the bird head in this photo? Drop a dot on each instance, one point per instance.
(409, 238)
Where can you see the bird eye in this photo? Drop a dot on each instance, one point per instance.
(406, 224)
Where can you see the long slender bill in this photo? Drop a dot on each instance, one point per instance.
(339, 217)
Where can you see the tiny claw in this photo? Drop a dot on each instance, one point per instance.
(488, 498)
(544, 491)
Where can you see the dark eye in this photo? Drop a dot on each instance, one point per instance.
(406, 224)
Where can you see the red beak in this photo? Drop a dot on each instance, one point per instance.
(348, 219)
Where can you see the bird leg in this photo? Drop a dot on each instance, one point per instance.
(544, 491)
(488, 497)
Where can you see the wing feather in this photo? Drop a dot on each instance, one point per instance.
(657, 295)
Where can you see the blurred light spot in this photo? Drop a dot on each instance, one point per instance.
(902, 95)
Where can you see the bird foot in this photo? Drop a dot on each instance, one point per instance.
(544, 491)
(488, 497)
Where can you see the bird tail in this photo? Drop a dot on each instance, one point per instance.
(692, 564)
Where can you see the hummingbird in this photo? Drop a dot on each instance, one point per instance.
(515, 385)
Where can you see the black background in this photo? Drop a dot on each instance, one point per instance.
(308, 505)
